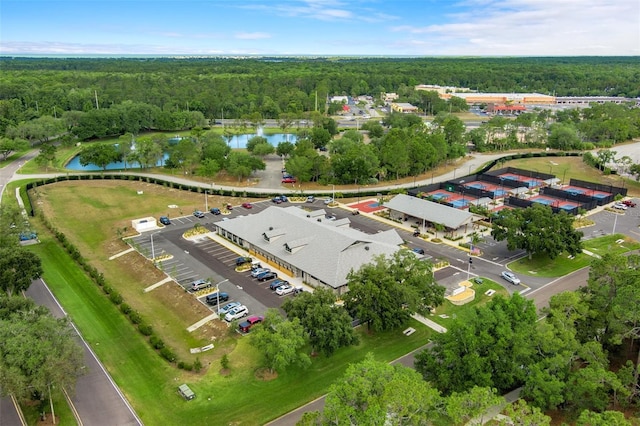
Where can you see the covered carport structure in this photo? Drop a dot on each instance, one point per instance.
(424, 212)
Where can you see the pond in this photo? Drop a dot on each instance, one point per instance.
(237, 141)
(240, 141)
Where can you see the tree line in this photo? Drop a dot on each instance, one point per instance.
(38, 352)
(218, 87)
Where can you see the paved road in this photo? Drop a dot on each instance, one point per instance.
(97, 400)
(8, 414)
(572, 282)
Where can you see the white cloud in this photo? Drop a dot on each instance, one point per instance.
(537, 27)
(252, 36)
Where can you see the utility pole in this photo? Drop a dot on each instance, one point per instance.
(95, 92)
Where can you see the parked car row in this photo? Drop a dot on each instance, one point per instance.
(281, 287)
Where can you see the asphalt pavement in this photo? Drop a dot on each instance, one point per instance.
(96, 400)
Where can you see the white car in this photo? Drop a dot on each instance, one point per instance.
(235, 313)
(619, 206)
(509, 276)
(284, 289)
(328, 201)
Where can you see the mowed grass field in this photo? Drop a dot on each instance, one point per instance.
(95, 215)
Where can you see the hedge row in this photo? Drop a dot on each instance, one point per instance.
(116, 298)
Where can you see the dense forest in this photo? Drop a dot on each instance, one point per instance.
(271, 86)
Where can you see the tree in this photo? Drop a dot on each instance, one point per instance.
(487, 348)
(18, 268)
(606, 418)
(100, 155)
(377, 393)
(37, 352)
(242, 165)
(564, 136)
(327, 325)
(8, 146)
(284, 149)
(537, 230)
(520, 413)
(605, 156)
(263, 149)
(464, 406)
(386, 292)
(149, 151)
(254, 141)
(183, 155)
(47, 155)
(280, 341)
(320, 137)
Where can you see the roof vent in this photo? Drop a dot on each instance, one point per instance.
(319, 220)
(308, 215)
(271, 228)
(366, 248)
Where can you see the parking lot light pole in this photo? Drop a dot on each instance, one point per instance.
(153, 252)
(218, 296)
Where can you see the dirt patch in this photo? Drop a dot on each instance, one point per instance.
(265, 374)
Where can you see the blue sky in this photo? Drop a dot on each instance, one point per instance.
(321, 27)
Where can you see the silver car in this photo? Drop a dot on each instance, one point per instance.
(509, 276)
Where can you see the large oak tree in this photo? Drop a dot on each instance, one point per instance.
(386, 292)
(538, 230)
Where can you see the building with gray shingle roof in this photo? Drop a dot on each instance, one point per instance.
(404, 207)
(307, 244)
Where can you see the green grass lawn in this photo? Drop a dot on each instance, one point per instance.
(454, 311)
(542, 266)
(150, 383)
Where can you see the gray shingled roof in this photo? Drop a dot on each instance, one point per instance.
(325, 249)
(431, 212)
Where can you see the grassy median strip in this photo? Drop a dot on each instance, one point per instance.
(542, 266)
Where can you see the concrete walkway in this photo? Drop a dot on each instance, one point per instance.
(431, 324)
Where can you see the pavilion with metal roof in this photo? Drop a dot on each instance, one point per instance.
(405, 207)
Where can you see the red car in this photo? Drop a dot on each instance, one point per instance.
(629, 203)
(245, 326)
(247, 205)
(289, 179)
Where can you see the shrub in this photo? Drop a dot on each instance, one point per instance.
(135, 317)
(107, 289)
(224, 361)
(185, 366)
(197, 365)
(168, 354)
(125, 309)
(145, 329)
(115, 297)
(156, 342)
